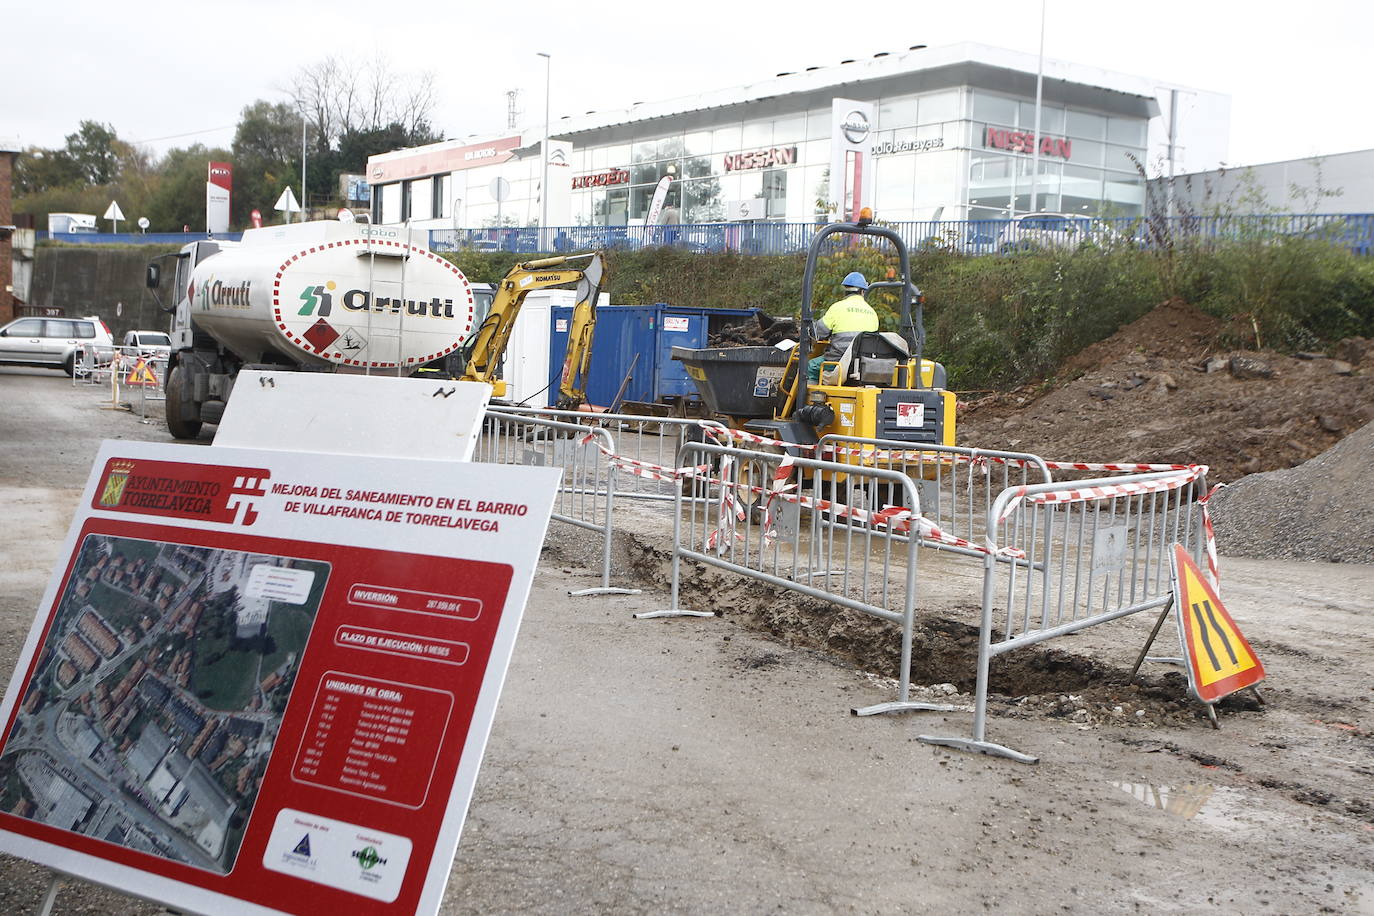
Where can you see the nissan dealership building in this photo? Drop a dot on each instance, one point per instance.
(919, 134)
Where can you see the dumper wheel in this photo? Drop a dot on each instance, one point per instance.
(177, 396)
(757, 473)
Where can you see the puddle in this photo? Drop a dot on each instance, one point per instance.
(1220, 807)
(1181, 801)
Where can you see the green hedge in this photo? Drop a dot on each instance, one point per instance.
(999, 322)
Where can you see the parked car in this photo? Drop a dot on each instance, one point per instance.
(55, 342)
(1053, 230)
(148, 343)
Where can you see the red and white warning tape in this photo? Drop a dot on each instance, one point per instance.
(916, 454)
(1210, 538)
(897, 518)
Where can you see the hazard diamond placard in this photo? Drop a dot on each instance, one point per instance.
(1220, 661)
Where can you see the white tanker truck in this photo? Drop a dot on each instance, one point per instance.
(321, 296)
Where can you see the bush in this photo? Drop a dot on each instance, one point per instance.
(1000, 322)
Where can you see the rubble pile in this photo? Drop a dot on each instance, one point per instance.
(763, 331)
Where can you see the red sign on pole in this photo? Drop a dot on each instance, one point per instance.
(234, 694)
(256, 217)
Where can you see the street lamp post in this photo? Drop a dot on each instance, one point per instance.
(1035, 149)
(544, 153)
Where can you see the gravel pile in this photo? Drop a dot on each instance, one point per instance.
(1322, 509)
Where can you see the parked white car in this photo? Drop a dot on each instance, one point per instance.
(1053, 230)
(148, 343)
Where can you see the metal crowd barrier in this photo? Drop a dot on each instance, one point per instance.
(956, 485)
(814, 527)
(1093, 551)
(586, 496)
(648, 442)
(129, 370)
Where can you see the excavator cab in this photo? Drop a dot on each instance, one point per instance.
(874, 390)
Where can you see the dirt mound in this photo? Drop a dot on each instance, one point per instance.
(1159, 391)
(1172, 330)
(1321, 510)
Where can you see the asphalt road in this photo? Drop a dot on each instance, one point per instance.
(697, 766)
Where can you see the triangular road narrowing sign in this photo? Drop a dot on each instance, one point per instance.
(1220, 661)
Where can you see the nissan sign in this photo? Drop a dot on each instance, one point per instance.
(855, 126)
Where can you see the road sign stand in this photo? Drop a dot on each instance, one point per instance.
(1208, 637)
(55, 883)
(1154, 633)
(114, 386)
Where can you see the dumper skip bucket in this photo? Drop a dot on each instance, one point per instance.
(740, 382)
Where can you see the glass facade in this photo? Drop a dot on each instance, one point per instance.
(1085, 166)
(955, 153)
(934, 158)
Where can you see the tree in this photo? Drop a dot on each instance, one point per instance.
(339, 98)
(180, 196)
(350, 115)
(37, 170)
(93, 149)
(266, 157)
(90, 157)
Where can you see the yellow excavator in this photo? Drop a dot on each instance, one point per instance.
(479, 358)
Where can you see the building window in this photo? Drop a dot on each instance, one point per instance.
(390, 200)
(775, 192)
(443, 190)
(419, 202)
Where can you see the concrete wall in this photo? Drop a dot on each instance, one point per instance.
(98, 280)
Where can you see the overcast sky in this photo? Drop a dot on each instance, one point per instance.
(175, 73)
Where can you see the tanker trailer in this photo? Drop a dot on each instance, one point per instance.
(319, 296)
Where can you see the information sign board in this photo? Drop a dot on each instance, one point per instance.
(262, 681)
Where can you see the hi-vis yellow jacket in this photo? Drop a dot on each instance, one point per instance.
(843, 321)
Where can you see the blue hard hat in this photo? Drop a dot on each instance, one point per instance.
(855, 279)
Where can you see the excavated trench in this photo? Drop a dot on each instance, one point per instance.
(1034, 680)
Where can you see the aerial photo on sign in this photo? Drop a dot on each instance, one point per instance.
(151, 714)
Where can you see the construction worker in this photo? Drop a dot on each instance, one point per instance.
(843, 321)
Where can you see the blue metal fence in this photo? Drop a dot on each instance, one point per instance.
(135, 238)
(1354, 231)
(990, 236)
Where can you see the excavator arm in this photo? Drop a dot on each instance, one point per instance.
(481, 353)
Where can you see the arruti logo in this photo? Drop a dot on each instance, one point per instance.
(318, 297)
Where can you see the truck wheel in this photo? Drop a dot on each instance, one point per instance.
(69, 365)
(176, 397)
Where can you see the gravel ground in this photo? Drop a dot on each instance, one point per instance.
(706, 766)
(1322, 509)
